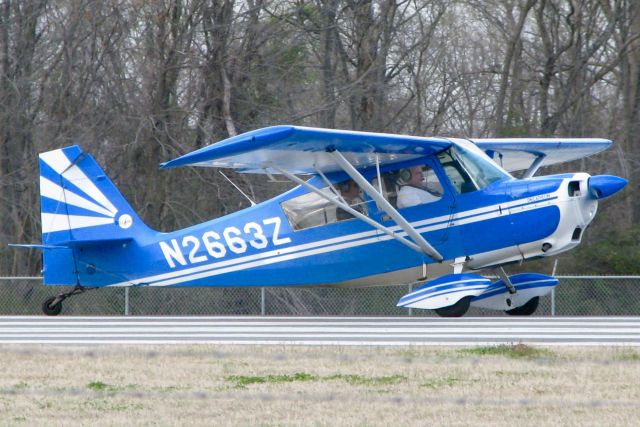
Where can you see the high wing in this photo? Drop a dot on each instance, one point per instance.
(514, 154)
(303, 150)
(295, 150)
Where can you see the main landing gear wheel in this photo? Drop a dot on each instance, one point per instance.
(456, 310)
(52, 306)
(52, 309)
(525, 310)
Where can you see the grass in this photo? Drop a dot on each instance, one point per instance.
(367, 380)
(448, 381)
(242, 380)
(20, 385)
(516, 351)
(97, 386)
(274, 385)
(627, 355)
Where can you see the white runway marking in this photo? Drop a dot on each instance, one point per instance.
(321, 330)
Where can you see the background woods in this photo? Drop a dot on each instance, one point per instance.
(137, 83)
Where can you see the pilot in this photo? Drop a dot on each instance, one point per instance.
(351, 194)
(413, 189)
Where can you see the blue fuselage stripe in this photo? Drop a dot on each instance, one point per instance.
(317, 247)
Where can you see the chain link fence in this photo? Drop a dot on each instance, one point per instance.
(574, 296)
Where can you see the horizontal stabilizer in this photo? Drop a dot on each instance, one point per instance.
(36, 246)
(445, 291)
(528, 286)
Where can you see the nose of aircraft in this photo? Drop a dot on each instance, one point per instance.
(601, 186)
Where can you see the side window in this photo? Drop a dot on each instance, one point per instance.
(312, 210)
(417, 185)
(352, 195)
(413, 186)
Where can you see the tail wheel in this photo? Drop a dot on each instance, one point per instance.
(49, 309)
(525, 310)
(456, 310)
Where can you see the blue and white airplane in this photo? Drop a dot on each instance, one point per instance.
(377, 209)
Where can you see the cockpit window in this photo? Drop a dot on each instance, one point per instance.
(469, 170)
(312, 210)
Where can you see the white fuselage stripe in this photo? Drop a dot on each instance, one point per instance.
(334, 244)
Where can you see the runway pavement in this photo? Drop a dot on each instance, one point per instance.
(321, 330)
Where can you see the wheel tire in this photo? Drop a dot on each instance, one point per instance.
(456, 310)
(51, 310)
(525, 310)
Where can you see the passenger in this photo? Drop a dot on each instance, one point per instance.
(413, 190)
(352, 195)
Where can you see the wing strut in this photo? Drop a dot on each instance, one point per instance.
(425, 247)
(336, 200)
(534, 166)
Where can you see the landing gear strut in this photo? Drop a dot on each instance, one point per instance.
(52, 306)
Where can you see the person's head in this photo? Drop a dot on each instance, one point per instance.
(349, 189)
(413, 176)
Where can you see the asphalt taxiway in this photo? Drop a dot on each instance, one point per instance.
(321, 330)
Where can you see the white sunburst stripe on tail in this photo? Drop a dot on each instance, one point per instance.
(57, 222)
(53, 191)
(59, 162)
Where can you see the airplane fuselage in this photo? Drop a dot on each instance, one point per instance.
(508, 221)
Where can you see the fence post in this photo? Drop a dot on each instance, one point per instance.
(410, 309)
(262, 301)
(553, 291)
(126, 301)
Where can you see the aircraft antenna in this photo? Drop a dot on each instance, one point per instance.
(238, 188)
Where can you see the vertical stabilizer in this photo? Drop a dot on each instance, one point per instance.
(79, 206)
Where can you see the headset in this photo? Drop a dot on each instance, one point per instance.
(405, 175)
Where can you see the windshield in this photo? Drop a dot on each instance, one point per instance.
(468, 168)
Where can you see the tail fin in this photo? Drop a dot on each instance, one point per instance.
(79, 206)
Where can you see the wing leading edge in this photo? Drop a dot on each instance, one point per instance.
(303, 150)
